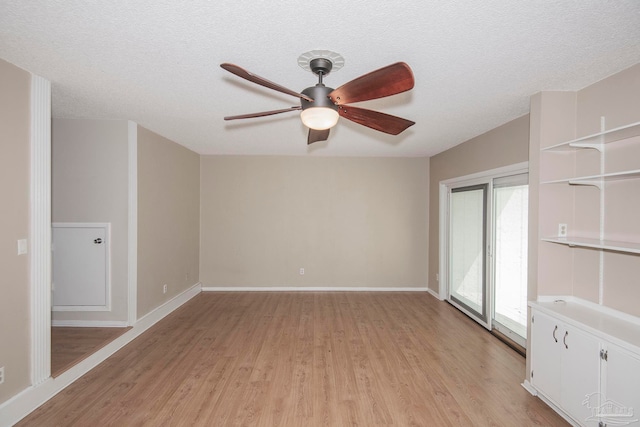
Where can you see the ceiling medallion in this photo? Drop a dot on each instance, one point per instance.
(305, 59)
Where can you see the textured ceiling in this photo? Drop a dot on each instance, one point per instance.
(156, 62)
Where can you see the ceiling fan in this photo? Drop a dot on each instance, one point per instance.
(321, 106)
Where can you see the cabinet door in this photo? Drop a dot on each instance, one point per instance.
(580, 373)
(545, 355)
(621, 387)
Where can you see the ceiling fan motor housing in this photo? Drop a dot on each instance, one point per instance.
(320, 94)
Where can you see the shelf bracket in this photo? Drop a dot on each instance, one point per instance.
(591, 183)
(595, 146)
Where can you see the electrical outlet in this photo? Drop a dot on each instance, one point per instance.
(562, 230)
(1, 374)
(164, 289)
(302, 271)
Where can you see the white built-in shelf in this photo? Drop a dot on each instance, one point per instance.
(595, 180)
(598, 139)
(583, 242)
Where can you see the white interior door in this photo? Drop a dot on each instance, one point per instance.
(80, 267)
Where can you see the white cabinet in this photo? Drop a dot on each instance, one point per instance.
(581, 364)
(620, 387)
(565, 364)
(580, 371)
(545, 364)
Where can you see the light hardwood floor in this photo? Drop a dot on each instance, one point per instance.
(69, 346)
(305, 359)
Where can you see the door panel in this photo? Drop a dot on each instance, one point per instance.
(580, 372)
(545, 345)
(79, 266)
(468, 249)
(620, 400)
(510, 212)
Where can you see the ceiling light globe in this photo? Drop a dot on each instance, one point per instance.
(319, 118)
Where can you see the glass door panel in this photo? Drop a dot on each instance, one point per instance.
(510, 197)
(467, 249)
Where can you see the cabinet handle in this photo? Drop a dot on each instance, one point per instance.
(564, 340)
(554, 333)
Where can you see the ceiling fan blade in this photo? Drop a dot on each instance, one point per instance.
(390, 80)
(241, 72)
(375, 120)
(317, 135)
(262, 114)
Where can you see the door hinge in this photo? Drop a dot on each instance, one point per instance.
(604, 355)
(532, 373)
(533, 318)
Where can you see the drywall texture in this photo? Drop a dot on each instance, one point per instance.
(614, 98)
(90, 184)
(349, 222)
(168, 219)
(15, 119)
(503, 146)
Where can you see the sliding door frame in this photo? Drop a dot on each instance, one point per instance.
(444, 230)
(484, 316)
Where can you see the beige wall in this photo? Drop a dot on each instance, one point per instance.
(503, 146)
(552, 120)
(349, 222)
(15, 119)
(616, 98)
(168, 219)
(90, 184)
(561, 116)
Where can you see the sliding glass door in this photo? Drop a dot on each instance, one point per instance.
(486, 250)
(468, 234)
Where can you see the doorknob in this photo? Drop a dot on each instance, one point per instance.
(97, 241)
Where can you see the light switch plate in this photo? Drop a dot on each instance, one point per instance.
(22, 246)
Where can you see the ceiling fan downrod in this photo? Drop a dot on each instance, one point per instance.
(320, 93)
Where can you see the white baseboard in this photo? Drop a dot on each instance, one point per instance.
(158, 313)
(305, 289)
(31, 398)
(436, 294)
(90, 323)
(527, 386)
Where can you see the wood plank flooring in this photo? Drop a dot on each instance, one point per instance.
(70, 346)
(305, 359)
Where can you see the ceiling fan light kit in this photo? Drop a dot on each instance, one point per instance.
(319, 118)
(322, 106)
